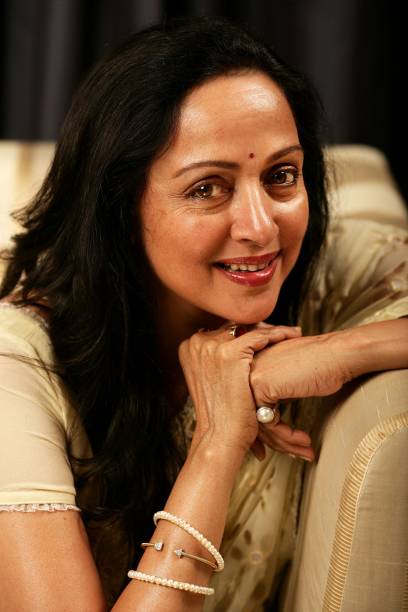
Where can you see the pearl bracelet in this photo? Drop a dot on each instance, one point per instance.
(194, 532)
(168, 582)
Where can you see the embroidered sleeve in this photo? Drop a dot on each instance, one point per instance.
(37, 507)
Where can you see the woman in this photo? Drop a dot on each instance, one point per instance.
(188, 155)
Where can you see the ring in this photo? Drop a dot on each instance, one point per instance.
(266, 414)
(236, 330)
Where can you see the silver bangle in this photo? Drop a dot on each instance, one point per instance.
(168, 582)
(193, 532)
(179, 552)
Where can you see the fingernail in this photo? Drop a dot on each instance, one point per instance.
(293, 456)
(298, 328)
(305, 458)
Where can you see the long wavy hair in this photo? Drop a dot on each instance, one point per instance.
(79, 252)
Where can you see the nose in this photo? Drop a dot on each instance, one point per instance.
(253, 219)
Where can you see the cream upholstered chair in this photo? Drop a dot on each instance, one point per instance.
(22, 168)
(352, 545)
(352, 542)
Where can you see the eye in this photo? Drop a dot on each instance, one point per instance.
(283, 177)
(205, 191)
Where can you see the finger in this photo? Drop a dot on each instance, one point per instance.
(288, 329)
(250, 342)
(257, 340)
(286, 434)
(234, 330)
(304, 452)
(279, 334)
(258, 449)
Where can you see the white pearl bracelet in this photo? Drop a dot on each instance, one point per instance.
(168, 582)
(193, 532)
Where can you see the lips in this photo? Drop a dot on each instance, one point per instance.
(250, 259)
(250, 278)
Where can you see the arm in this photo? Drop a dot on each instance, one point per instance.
(320, 365)
(374, 347)
(201, 496)
(46, 562)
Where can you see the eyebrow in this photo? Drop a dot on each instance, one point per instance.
(234, 166)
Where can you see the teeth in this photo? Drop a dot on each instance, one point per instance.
(245, 267)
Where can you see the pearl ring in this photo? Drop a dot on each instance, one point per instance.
(267, 414)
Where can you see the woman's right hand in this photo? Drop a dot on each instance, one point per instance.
(216, 368)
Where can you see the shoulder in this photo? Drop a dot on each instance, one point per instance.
(27, 366)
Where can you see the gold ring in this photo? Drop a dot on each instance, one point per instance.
(237, 330)
(232, 330)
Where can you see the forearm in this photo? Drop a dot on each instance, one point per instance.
(201, 496)
(373, 347)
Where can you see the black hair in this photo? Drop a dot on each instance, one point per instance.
(78, 252)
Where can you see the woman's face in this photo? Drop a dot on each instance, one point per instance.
(229, 186)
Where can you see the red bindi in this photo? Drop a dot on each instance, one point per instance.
(251, 155)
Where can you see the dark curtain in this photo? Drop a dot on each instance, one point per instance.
(353, 50)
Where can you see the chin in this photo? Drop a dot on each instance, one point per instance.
(252, 316)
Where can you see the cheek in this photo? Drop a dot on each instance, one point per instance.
(293, 224)
(183, 241)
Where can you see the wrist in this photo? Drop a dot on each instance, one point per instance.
(349, 350)
(367, 348)
(214, 451)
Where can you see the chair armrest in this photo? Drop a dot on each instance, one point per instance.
(352, 548)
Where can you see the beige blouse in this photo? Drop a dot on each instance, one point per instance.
(363, 277)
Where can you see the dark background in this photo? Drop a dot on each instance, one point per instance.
(353, 50)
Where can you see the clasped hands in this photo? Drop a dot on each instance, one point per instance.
(229, 377)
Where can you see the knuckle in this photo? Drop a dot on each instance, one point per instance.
(254, 377)
(223, 351)
(196, 340)
(183, 349)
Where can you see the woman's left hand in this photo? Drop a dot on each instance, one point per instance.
(295, 368)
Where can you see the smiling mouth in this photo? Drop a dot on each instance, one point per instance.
(244, 267)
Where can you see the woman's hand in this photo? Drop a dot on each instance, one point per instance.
(297, 368)
(216, 368)
(282, 438)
